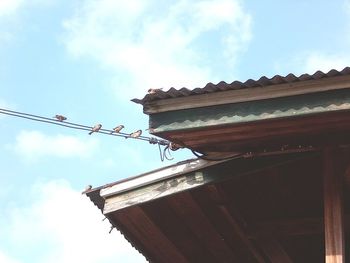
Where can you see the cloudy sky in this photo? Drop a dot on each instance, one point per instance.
(86, 59)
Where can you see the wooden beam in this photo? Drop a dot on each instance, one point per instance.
(241, 234)
(145, 233)
(236, 222)
(249, 94)
(273, 249)
(176, 184)
(333, 207)
(191, 215)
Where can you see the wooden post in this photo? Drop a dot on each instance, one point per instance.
(333, 207)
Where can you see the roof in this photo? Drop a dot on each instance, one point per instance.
(264, 205)
(260, 209)
(238, 85)
(257, 114)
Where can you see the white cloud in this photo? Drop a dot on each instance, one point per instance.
(9, 7)
(33, 144)
(63, 226)
(324, 62)
(6, 259)
(159, 44)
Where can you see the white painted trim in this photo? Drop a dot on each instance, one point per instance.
(156, 176)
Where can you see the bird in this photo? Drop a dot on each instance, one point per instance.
(135, 134)
(174, 146)
(87, 189)
(117, 129)
(60, 117)
(96, 128)
(154, 91)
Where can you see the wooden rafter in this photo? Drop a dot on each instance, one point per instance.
(272, 248)
(141, 228)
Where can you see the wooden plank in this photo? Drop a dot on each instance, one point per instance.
(273, 249)
(250, 94)
(220, 172)
(333, 207)
(193, 217)
(152, 240)
(156, 176)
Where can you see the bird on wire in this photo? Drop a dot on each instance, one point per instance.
(135, 134)
(117, 129)
(96, 128)
(60, 117)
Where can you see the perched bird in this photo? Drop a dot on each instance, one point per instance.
(135, 134)
(153, 91)
(87, 189)
(60, 117)
(174, 146)
(118, 129)
(96, 128)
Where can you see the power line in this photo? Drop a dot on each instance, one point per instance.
(71, 125)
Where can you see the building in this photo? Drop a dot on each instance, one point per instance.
(270, 184)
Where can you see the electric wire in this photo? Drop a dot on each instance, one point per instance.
(151, 140)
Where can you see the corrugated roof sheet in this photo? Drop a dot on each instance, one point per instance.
(250, 83)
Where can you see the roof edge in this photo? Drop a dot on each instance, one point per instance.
(156, 176)
(247, 94)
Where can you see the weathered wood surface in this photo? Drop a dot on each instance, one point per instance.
(216, 173)
(156, 176)
(333, 206)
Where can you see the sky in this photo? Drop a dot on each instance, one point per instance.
(86, 59)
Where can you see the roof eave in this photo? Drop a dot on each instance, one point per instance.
(247, 94)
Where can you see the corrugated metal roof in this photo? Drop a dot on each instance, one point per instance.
(236, 85)
(252, 111)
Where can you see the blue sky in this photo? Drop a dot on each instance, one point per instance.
(86, 59)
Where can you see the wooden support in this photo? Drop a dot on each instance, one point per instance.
(151, 239)
(235, 221)
(272, 248)
(193, 217)
(333, 207)
(241, 234)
